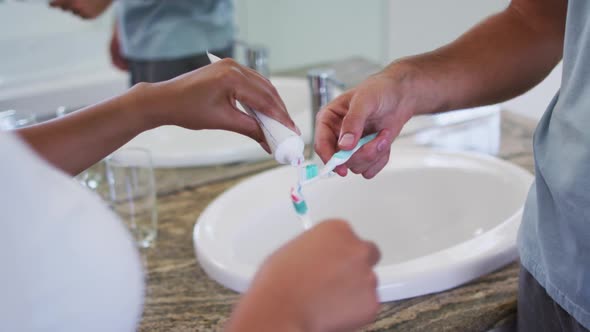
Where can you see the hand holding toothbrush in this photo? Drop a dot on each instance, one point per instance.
(323, 280)
(378, 105)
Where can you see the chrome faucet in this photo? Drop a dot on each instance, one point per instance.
(321, 83)
(257, 59)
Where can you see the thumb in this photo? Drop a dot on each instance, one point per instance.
(353, 123)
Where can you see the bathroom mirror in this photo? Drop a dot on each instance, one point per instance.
(57, 62)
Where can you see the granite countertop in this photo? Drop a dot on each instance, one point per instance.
(180, 297)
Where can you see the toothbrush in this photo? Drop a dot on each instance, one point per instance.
(285, 145)
(310, 173)
(343, 156)
(301, 207)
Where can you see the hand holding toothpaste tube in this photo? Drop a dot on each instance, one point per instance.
(207, 99)
(202, 99)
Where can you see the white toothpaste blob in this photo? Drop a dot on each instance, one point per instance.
(286, 146)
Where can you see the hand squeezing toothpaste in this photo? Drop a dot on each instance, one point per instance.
(286, 145)
(311, 173)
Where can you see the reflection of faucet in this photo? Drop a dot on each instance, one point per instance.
(321, 83)
(256, 57)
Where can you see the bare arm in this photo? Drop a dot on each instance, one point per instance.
(202, 99)
(79, 140)
(502, 57)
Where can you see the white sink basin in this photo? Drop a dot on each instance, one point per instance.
(439, 218)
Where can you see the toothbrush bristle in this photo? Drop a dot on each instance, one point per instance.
(311, 171)
(298, 201)
(296, 196)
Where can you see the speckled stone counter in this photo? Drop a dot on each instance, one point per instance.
(180, 297)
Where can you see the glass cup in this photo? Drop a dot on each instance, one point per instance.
(93, 177)
(11, 119)
(132, 192)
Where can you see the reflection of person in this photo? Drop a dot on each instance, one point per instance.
(69, 265)
(503, 56)
(158, 40)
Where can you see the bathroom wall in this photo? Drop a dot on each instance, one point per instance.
(311, 31)
(38, 42)
(417, 26)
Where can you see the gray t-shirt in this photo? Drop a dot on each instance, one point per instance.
(554, 239)
(172, 29)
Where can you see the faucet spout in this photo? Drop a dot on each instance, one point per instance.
(321, 84)
(257, 59)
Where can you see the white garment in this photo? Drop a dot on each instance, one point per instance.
(66, 262)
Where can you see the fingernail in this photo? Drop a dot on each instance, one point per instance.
(382, 146)
(346, 139)
(265, 147)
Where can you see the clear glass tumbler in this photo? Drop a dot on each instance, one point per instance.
(132, 192)
(11, 119)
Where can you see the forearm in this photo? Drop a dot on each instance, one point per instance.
(77, 141)
(500, 58)
(256, 312)
(202, 99)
